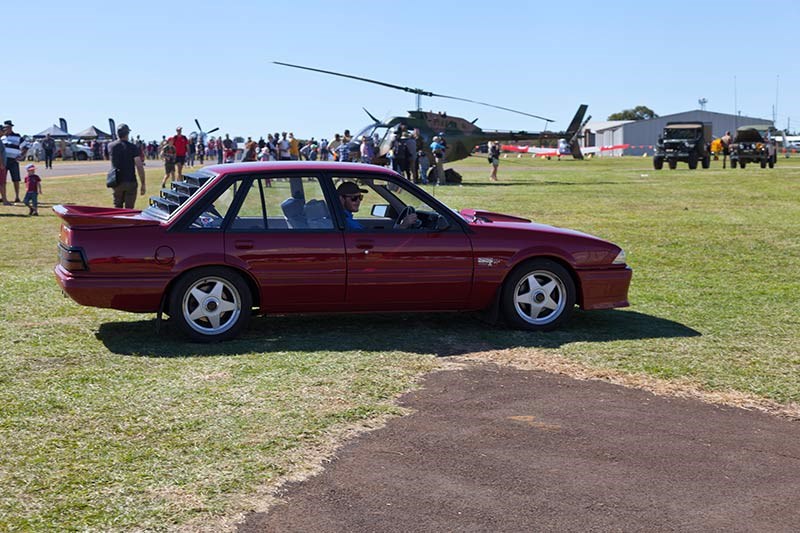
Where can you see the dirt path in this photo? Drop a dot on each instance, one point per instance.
(498, 449)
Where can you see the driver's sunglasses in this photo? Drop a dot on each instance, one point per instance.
(355, 197)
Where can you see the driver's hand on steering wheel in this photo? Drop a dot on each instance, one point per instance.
(408, 221)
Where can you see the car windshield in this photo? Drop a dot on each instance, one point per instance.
(684, 134)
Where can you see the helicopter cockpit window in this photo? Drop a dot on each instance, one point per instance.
(371, 131)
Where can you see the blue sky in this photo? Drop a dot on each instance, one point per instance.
(155, 65)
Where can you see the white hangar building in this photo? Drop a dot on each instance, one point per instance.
(641, 135)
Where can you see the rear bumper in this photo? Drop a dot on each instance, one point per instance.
(138, 295)
(605, 289)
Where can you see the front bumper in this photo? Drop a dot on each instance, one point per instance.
(604, 289)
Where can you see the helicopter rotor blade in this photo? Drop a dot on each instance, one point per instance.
(376, 82)
(494, 106)
(371, 116)
(409, 89)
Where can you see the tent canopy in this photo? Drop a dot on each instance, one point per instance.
(54, 131)
(93, 133)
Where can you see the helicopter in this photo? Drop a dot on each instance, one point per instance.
(462, 135)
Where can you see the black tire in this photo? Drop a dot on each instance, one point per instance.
(553, 293)
(80, 156)
(742, 164)
(772, 161)
(763, 163)
(658, 163)
(672, 164)
(733, 163)
(220, 288)
(707, 161)
(692, 162)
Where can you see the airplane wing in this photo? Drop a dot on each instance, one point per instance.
(554, 152)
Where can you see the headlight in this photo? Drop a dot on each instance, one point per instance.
(620, 259)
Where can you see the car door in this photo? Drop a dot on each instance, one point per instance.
(282, 232)
(391, 268)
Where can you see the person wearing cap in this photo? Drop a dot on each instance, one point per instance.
(16, 149)
(439, 151)
(181, 144)
(125, 157)
(350, 195)
(33, 188)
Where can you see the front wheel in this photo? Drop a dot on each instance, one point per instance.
(673, 164)
(211, 304)
(658, 163)
(707, 161)
(539, 295)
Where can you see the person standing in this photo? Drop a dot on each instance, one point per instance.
(168, 155)
(3, 173)
(126, 159)
(190, 153)
(33, 188)
(227, 148)
(15, 149)
(494, 158)
(250, 149)
(438, 150)
(181, 144)
(726, 147)
(49, 147)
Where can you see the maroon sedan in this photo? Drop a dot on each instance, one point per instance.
(289, 237)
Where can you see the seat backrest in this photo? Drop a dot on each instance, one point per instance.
(316, 212)
(293, 211)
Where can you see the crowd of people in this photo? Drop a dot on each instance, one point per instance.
(408, 154)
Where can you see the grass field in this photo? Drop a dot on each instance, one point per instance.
(107, 426)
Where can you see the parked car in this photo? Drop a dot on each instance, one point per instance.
(753, 145)
(235, 239)
(72, 150)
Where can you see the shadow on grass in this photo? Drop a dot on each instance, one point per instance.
(518, 182)
(440, 334)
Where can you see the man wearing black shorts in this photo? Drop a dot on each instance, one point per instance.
(181, 144)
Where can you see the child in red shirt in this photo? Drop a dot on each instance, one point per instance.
(33, 188)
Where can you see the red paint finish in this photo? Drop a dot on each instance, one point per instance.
(134, 257)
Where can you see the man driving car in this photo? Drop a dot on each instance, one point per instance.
(350, 195)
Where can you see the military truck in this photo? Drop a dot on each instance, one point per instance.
(753, 145)
(688, 142)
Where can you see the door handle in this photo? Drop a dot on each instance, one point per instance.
(364, 245)
(243, 245)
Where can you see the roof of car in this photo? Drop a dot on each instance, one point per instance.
(294, 166)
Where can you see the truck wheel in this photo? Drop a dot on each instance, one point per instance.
(707, 161)
(763, 163)
(539, 295)
(733, 163)
(658, 163)
(211, 304)
(673, 164)
(692, 162)
(772, 161)
(81, 156)
(742, 164)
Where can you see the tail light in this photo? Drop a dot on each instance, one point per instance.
(71, 258)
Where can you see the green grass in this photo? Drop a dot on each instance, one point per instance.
(107, 426)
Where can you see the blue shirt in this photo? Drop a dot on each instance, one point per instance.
(350, 222)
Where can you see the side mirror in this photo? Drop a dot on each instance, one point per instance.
(442, 224)
(380, 210)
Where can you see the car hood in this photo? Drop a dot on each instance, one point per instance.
(76, 216)
(480, 217)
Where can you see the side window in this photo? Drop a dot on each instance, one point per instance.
(379, 208)
(215, 211)
(283, 203)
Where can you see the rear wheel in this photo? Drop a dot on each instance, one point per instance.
(539, 295)
(211, 304)
(81, 156)
(772, 161)
(733, 163)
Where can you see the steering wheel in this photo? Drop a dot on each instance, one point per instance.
(407, 210)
